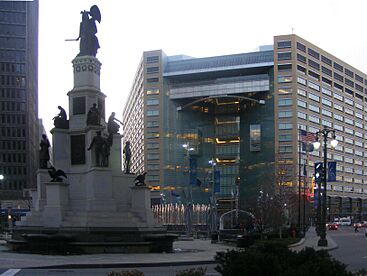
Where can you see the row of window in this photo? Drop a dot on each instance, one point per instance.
(12, 132)
(12, 106)
(315, 54)
(12, 119)
(9, 67)
(12, 93)
(13, 157)
(19, 170)
(17, 81)
(12, 145)
(12, 184)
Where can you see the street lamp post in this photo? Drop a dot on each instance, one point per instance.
(213, 219)
(189, 206)
(322, 209)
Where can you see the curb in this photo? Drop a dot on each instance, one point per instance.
(122, 265)
(297, 243)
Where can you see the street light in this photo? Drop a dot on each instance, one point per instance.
(322, 211)
(189, 206)
(213, 201)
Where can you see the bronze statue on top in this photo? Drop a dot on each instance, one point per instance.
(127, 152)
(60, 120)
(44, 154)
(112, 126)
(94, 116)
(87, 33)
(101, 150)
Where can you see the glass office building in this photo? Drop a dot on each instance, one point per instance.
(18, 96)
(245, 112)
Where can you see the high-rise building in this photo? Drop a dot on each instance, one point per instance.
(19, 141)
(246, 113)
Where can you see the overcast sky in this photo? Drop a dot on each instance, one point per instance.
(198, 28)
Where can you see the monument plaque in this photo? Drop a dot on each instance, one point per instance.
(77, 147)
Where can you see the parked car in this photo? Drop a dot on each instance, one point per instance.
(333, 226)
(345, 222)
(360, 224)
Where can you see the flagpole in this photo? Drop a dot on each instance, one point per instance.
(304, 194)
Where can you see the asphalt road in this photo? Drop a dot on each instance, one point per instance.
(352, 247)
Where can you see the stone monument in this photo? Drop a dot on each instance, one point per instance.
(96, 208)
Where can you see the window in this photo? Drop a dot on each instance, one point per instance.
(326, 112)
(152, 59)
(301, 92)
(152, 80)
(326, 71)
(326, 81)
(285, 114)
(338, 117)
(285, 137)
(285, 102)
(359, 125)
(326, 123)
(338, 77)
(359, 87)
(349, 121)
(313, 64)
(152, 145)
(348, 101)
(153, 102)
(285, 126)
(152, 112)
(152, 91)
(348, 130)
(338, 87)
(152, 124)
(285, 149)
(285, 90)
(358, 134)
(302, 115)
(301, 103)
(349, 73)
(313, 119)
(338, 127)
(153, 167)
(314, 85)
(153, 156)
(326, 102)
(349, 82)
(284, 44)
(348, 111)
(326, 91)
(338, 97)
(301, 47)
(326, 60)
(314, 75)
(152, 134)
(358, 78)
(301, 58)
(338, 67)
(314, 97)
(313, 53)
(151, 70)
(284, 79)
(301, 81)
(314, 108)
(348, 150)
(285, 67)
(301, 69)
(359, 106)
(284, 56)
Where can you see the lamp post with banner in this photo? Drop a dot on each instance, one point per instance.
(324, 133)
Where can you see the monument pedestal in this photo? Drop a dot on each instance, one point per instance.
(96, 209)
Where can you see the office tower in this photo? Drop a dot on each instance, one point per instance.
(18, 96)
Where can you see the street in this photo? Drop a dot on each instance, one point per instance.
(352, 247)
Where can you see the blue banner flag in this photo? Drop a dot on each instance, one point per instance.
(331, 171)
(216, 181)
(193, 171)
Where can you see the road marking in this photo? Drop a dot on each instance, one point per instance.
(10, 272)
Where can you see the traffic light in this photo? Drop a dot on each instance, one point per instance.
(319, 173)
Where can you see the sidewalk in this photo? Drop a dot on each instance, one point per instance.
(196, 251)
(185, 252)
(311, 240)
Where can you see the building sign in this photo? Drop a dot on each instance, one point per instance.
(331, 174)
(255, 137)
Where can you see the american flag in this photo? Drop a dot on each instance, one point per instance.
(308, 137)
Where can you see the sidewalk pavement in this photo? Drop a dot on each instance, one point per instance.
(196, 252)
(311, 240)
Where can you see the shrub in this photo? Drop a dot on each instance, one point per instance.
(133, 272)
(278, 260)
(200, 271)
